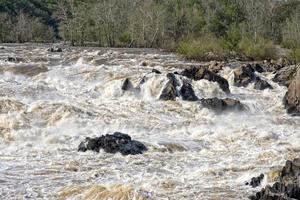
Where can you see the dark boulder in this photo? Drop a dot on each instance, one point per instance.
(187, 92)
(156, 71)
(291, 99)
(169, 92)
(127, 85)
(257, 67)
(191, 72)
(285, 75)
(287, 188)
(198, 73)
(221, 105)
(262, 84)
(244, 75)
(117, 142)
(256, 181)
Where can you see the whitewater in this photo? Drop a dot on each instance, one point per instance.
(50, 102)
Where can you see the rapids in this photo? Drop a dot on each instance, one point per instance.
(49, 102)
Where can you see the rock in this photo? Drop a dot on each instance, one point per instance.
(187, 92)
(291, 99)
(287, 188)
(117, 142)
(221, 105)
(215, 67)
(257, 67)
(244, 75)
(169, 92)
(15, 59)
(55, 50)
(145, 78)
(262, 84)
(272, 66)
(127, 85)
(256, 181)
(156, 71)
(144, 64)
(191, 72)
(285, 75)
(203, 73)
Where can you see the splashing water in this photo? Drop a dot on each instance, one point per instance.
(193, 153)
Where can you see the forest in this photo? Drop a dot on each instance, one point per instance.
(190, 27)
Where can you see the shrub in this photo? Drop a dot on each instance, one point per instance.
(259, 50)
(198, 49)
(294, 55)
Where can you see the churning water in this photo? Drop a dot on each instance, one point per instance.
(49, 102)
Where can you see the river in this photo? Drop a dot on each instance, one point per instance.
(49, 102)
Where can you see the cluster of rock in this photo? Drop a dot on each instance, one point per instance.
(179, 85)
(287, 188)
(117, 142)
(245, 75)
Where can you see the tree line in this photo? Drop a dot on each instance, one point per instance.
(152, 23)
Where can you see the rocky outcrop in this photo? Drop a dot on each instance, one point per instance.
(117, 142)
(244, 75)
(187, 92)
(287, 188)
(285, 75)
(292, 97)
(198, 73)
(262, 84)
(274, 65)
(221, 105)
(215, 67)
(169, 92)
(256, 181)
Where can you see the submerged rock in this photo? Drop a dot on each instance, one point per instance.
(287, 188)
(262, 84)
(285, 75)
(196, 73)
(291, 99)
(117, 142)
(256, 181)
(221, 105)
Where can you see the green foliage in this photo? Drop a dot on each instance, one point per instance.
(126, 39)
(198, 49)
(259, 50)
(232, 38)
